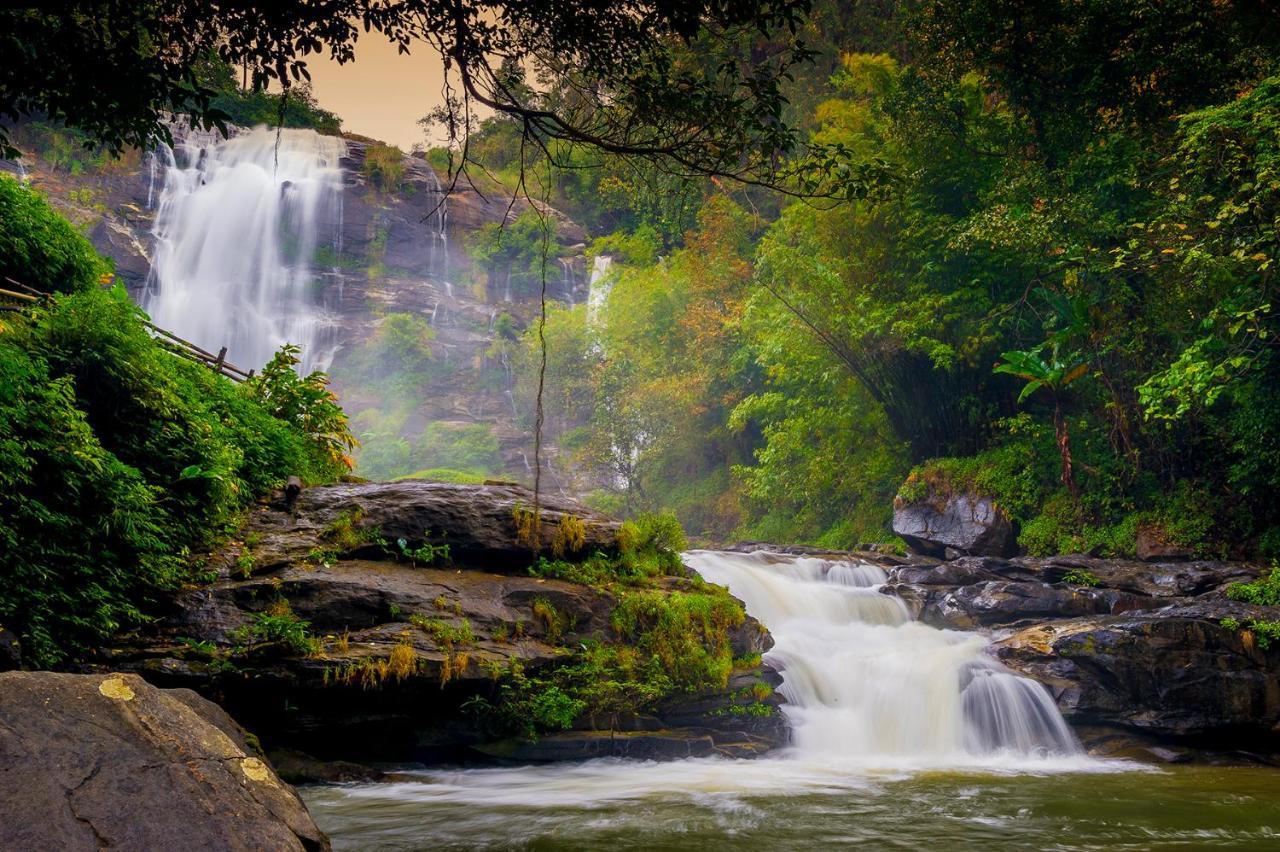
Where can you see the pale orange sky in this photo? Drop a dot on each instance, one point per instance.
(382, 93)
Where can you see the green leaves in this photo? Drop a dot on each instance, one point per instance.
(1055, 373)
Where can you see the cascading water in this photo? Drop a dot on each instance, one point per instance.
(877, 704)
(438, 232)
(865, 683)
(237, 227)
(598, 286)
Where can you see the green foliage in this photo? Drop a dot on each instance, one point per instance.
(120, 461)
(444, 474)
(384, 167)
(444, 633)
(423, 554)
(688, 632)
(254, 106)
(40, 248)
(1263, 592)
(1080, 577)
(1264, 632)
(307, 404)
(278, 623)
(512, 253)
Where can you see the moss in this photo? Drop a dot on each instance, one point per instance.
(570, 536)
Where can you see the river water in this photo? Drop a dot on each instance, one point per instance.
(904, 737)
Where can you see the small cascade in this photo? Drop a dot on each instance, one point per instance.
(866, 683)
(598, 287)
(237, 226)
(566, 279)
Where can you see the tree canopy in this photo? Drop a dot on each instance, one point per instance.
(696, 86)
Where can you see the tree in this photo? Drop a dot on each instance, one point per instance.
(1053, 372)
(695, 85)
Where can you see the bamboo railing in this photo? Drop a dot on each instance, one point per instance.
(26, 296)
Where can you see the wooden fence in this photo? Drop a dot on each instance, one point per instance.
(25, 297)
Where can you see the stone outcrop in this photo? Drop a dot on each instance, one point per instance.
(961, 522)
(108, 761)
(402, 650)
(1135, 654)
(477, 522)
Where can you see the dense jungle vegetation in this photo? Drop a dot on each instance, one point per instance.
(120, 463)
(1058, 290)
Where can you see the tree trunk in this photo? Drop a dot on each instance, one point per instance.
(1064, 447)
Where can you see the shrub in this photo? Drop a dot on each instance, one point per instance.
(119, 461)
(384, 167)
(40, 248)
(1263, 592)
(279, 623)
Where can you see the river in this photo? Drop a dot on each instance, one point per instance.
(904, 736)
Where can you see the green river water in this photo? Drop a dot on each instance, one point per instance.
(712, 804)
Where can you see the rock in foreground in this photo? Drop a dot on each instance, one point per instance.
(108, 761)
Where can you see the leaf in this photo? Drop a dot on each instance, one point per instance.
(1031, 388)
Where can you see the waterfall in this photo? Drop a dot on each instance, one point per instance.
(864, 682)
(438, 232)
(566, 279)
(237, 226)
(598, 287)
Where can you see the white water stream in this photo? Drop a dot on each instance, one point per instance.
(867, 685)
(237, 227)
(599, 283)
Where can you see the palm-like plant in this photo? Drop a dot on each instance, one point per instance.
(1053, 371)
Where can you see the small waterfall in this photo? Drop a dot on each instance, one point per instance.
(598, 287)
(865, 682)
(566, 279)
(438, 231)
(236, 229)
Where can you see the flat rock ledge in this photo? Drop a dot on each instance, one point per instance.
(108, 761)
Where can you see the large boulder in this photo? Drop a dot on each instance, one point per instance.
(961, 522)
(107, 761)
(1176, 674)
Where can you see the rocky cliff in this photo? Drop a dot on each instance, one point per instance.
(398, 250)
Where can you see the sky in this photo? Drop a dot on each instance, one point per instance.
(382, 93)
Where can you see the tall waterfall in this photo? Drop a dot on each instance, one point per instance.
(237, 227)
(863, 681)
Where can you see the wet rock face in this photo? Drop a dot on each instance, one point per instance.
(455, 626)
(1134, 653)
(1176, 674)
(109, 761)
(964, 523)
